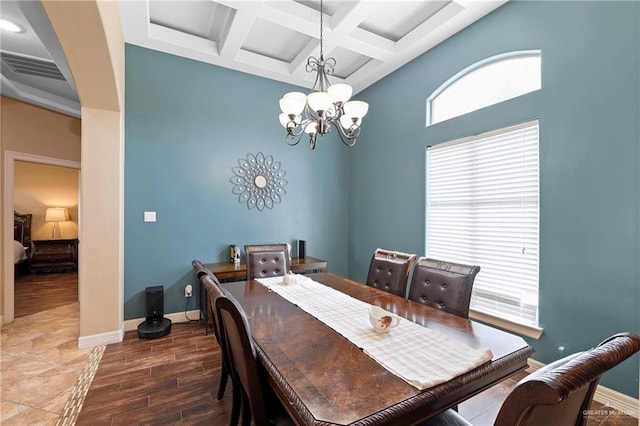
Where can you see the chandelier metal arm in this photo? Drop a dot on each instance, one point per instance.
(349, 139)
(299, 119)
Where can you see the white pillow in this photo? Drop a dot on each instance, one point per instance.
(19, 252)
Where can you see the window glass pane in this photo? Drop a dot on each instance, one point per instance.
(483, 209)
(486, 83)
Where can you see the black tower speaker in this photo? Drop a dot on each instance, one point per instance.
(155, 325)
(302, 249)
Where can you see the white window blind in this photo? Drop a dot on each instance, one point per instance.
(483, 209)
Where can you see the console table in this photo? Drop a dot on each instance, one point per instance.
(229, 272)
(54, 255)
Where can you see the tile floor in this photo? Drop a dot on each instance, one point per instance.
(39, 365)
(44, 376)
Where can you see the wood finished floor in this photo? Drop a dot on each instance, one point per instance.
(174, 380)
(40, 292)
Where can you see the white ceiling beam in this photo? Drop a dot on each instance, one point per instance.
(347, 19)
(293, 16)
(240, 26)
(369, 44)
(183, 41)
(341, 30)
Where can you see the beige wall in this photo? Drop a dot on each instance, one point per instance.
(38, 186)
(91, 38)
(33, 130)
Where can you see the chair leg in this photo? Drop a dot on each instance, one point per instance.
(235, 405)
(224, 375)
(246, 410)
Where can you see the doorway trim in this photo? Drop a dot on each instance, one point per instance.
(10, 157)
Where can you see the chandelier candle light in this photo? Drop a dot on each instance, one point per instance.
(327, 105)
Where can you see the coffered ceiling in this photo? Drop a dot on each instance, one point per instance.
(272, 38)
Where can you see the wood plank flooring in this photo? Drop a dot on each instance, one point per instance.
(174, 380)
(169, 380)
(40, 292)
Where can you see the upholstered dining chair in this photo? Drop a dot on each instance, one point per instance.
(268, 260)
(443, 285)
(211, 285)
(560, 393)
(257, 401)
(389, 271)
(199, 268)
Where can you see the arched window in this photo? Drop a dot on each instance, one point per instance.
(485, 83)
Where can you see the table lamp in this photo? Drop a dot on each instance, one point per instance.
(56, 215)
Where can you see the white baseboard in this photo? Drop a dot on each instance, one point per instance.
(129, 325)
(175, 318)
(85, 342)
(608, 397)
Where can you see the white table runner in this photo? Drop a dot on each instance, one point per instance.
(418, 355)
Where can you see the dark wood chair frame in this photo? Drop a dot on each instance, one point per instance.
(212, 287)
(245, 370)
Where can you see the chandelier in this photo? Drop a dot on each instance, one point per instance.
(326, 106)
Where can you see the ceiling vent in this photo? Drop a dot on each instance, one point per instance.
(28, 65)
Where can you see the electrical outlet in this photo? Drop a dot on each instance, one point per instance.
(188, 290)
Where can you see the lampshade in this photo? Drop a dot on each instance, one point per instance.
(56, 214)
(293, 103)
(348, 123)
(340, 92)
(319, 101)
(356, 109)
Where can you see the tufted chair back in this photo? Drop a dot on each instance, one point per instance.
(563, 390)
(443, 285)
(559, 393)
(389, 271)
(270, 260)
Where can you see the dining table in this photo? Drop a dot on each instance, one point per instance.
(323, 378)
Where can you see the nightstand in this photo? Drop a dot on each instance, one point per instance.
(54, 255)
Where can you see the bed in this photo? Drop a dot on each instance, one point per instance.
(21, 242)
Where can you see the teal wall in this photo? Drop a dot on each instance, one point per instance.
(186, 125)
(589, 113)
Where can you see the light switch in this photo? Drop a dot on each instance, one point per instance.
(149, 216)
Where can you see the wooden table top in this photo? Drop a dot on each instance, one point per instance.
(323, 379)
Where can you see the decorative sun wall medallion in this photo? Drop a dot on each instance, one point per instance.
(258, 181)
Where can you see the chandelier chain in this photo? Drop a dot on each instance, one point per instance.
(321, 27)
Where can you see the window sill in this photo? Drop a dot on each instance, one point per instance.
(524, 330)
